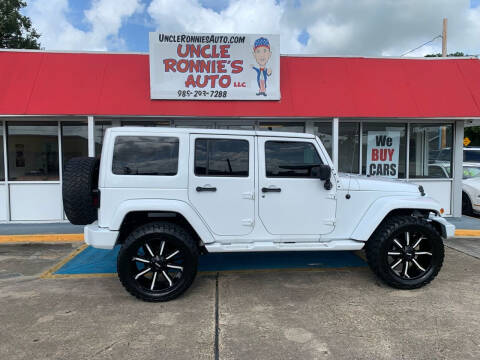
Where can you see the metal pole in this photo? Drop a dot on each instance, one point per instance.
(457, 173)
(444, 38)
(91, 137)
(335, 143)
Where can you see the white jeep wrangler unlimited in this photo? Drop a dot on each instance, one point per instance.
(167, 195)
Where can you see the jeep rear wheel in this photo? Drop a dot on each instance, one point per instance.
(157, 262)
(405, 252)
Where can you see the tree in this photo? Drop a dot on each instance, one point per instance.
(16, 31)
(456, 54)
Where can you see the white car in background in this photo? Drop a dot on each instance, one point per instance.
(470, 183)
(471, 188)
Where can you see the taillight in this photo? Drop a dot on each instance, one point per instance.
(96, 198)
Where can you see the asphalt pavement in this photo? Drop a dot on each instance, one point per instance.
(279, 314)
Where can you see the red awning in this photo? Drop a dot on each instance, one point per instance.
(47, 83)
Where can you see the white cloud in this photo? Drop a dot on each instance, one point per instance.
(336, 27)
(242, 16)
(104, 18)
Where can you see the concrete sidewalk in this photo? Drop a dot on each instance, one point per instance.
(40, 228)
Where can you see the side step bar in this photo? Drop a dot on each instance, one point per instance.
(271, 246)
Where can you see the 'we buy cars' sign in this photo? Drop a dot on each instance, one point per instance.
(382, 153)
(214, 66)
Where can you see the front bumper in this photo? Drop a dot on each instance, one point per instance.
(448, 230)
(100, 238)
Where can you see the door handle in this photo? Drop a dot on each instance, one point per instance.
(275, 189)
(206, 188)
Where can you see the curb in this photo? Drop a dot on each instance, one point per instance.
(467, 233)
(41, 238)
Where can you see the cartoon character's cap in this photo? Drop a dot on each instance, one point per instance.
(261, 42)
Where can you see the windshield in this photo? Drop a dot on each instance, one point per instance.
(470, 172)
(471, 156)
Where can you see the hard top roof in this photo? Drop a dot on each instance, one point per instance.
(169, 130)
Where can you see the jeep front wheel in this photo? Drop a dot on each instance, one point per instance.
(405, 252)
(157, 262)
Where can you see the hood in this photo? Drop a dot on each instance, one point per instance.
(372, 183)
(473, 181)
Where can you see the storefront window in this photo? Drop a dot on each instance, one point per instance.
(32, 151)
(283, 126)
(195, 124)
(146, 123)
(74, 140)
(235, 127)
(384, 149)
(2, 167)
(324, 131)
(348, 147)
(431, 150)
(100, 128)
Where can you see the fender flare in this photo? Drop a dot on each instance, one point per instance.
(177, 206)
(380, 208)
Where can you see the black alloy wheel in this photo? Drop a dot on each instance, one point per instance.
(157, 262)
(406, 252)
(410, 255)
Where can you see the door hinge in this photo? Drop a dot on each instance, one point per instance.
(247, 222)
(248, 195)
(329, 222)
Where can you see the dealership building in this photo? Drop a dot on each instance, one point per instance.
(57, 105)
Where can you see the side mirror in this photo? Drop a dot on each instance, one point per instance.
(324, 172)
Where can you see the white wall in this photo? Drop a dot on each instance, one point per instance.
(36, 202)
(3, 202)
(440, 190)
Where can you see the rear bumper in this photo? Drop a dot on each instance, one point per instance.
(100, 238)
(448, 230)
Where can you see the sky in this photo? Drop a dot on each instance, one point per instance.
(321, 27)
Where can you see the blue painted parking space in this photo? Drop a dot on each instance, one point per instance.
(97, 261)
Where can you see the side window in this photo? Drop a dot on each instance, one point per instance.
(221, 157)
(145, 155)
(291, 159)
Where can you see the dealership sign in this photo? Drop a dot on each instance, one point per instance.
(214, 66)
(382, 153)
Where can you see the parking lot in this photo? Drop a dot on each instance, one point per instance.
(326, 313)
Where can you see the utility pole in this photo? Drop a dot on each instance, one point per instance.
(444, 38)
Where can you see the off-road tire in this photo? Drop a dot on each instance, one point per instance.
(377, 248)
(80, 179)
(158, 230)
(467, 208)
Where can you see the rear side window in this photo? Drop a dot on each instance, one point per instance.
(291, 159)
(221, 157)
(145, 155)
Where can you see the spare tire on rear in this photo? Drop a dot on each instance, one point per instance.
(80, 180)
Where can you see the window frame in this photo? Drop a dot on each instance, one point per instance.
(322, 162)
(64, 137)
(29, 122)
(147, 136)
(219, 139)
(452, 164)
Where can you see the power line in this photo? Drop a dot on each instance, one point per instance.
(418, 47)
